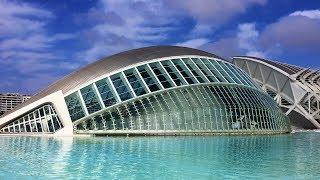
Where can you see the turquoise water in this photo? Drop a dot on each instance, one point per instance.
(201, 157)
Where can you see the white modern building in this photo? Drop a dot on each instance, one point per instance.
(8, 101)
(155, 90)
(295, 89)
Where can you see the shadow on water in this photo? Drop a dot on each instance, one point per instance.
(283, 156)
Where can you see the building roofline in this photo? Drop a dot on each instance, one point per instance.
(110, 64)
(288, 68)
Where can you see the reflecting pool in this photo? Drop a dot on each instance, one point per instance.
(193, 157)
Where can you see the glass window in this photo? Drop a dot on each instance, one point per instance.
(148, 78)
(246, 77)
(31, 116)
(115, 115)
(184, 71)
(90, 99)
(36, 114)
(56, 124)
(28, 127)
(99, 122)
(161, 75)
(39, 127)
(235, 72)
(41, 112)
(106, 94)
(22, 129)
(174, 74)
(204, 69)
(121, 88)
(74, 106)
(109, 124)
(221, 71)
(229, 72)
(193, 69)
(135, 82)
(46, 109)
(213, 70)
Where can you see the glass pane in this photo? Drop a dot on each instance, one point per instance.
(204, 69)
(184, 71)
(121, 88)
(74, 106)
(221, 71)
(235, 72)
(161, 75)
(229, 72)
(90, 99)
(174, 74)
(148, 78)
(193, 69)
(213, 70)
(135, 82)
(106, 93)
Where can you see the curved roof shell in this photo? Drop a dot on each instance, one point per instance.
(288, 68)
(110, 64)
(296, 89)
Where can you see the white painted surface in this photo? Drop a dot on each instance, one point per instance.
(58, 102)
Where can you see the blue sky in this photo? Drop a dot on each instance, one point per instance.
(42, 41)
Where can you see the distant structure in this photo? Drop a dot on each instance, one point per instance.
(296, 89)
(158, 90)
(8, 101)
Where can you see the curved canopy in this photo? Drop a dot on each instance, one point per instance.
(288, 68)
(110, 64)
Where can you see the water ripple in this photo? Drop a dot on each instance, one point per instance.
(202, 157)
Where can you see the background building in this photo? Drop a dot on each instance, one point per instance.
(153, 90)
(8, 101)
(295, 89)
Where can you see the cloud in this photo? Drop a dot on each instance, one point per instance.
(62, 37)
(32, 42)
(243, 42)
(21, 18)
(247, 33)
(296, 33)
(259, 54)
(224, 47)
(313, 14)
(247, 37)
(27, 49)
(121, 25)
(104, 47)
(146, 22)
(194, 43)
(14, 56)
(210, 14)
(10, 8)
(219, 11)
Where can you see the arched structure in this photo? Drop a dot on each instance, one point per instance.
(153, 90)
(296, 89)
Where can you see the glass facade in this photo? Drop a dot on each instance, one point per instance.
(75, 107)
(90, 99)
(179, 95)
(198, 108)
(106, 93)
(40, 120)
(121, 88)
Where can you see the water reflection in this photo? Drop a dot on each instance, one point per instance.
(287, 156)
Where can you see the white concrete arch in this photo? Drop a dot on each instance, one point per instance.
(295, 89)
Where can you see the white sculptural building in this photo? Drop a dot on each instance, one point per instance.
(295, 89)
(159, 90)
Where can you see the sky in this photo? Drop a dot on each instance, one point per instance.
(43, 40)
